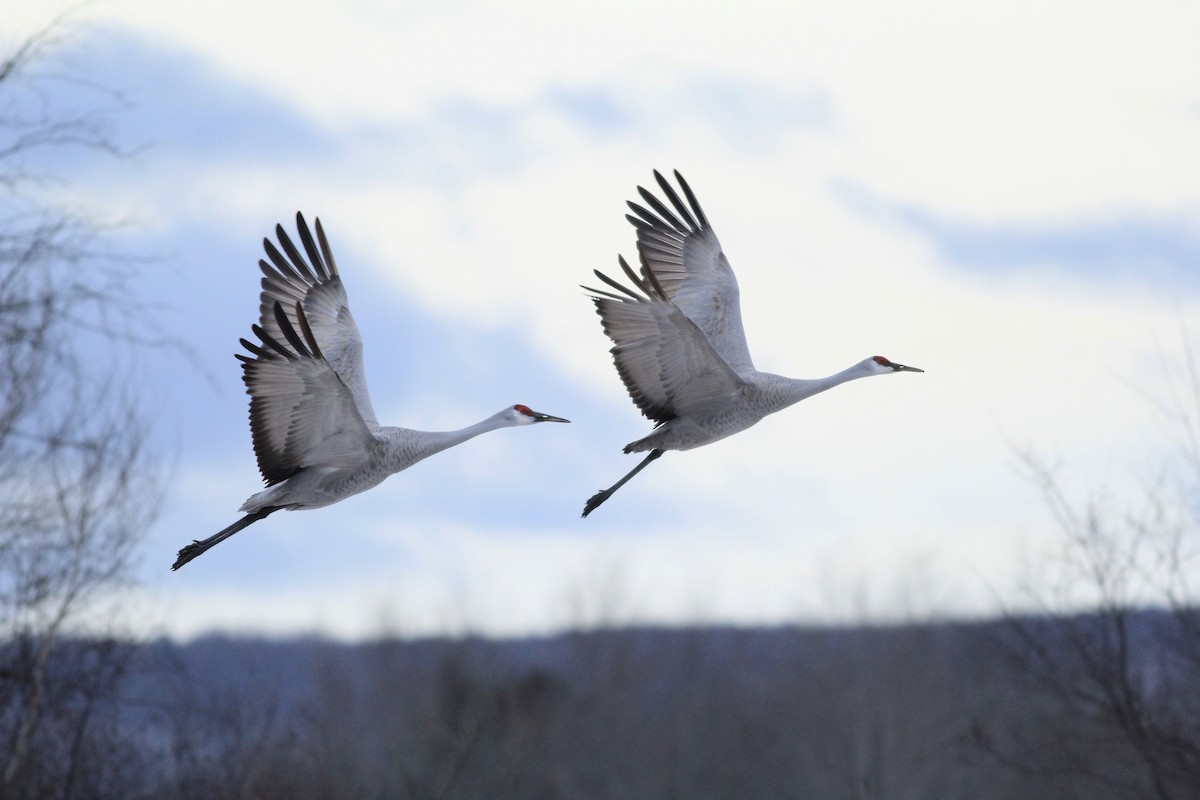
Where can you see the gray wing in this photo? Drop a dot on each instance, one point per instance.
(684, 254)
(302, 414)
(290, 279)
(667, 363)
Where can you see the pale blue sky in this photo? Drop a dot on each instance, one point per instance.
(1007, 198)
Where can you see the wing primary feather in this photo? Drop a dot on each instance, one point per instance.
(669, 191)
(616, 285)
(639, 223)
(289, 332)
(599, 293)
(326, 250)
(279, 261)
(310, 247)
(647, 216)
(275, 275)
(253, 348)
(297, 260)
(663, 211)
(687, 190)
(313, 347)
(269, 341)
(633, 276)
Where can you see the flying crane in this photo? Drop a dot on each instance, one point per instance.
(314, 430)
(677, 336)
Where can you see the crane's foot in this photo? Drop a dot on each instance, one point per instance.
(187, 553)
(602, 495)
(595, 500)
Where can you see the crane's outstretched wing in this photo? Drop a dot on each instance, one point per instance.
(289, 279)
(667, 363)
(302, 414)
(684, 255)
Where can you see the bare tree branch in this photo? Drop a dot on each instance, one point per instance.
(76, 476)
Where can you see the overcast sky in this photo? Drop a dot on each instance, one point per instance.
(1006, 195)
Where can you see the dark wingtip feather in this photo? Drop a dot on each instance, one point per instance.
(646, 215)
(253, 348)
(288, 330)
(279, 261)
(313, 347)
(687, 190)
(600, 294)
(269, 272)
(633, 276)
(271, 342)
(669, 191)
(297, 260)
(638, 223)
(326, 250)
(614, 284)
(664, 213)
(310, 247)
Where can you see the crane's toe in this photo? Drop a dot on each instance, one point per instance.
(187, 553)
(595, 500)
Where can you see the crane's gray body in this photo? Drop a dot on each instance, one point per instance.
(761, 394)
(390, 450)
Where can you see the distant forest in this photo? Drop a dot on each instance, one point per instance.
(1015, 708)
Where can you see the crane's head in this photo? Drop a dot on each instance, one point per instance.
(524, 415)
(878, 365)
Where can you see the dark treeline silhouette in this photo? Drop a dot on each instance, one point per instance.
(912, 711)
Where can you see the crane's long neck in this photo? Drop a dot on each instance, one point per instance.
(452, 438)
(408, 447)
(789, 391)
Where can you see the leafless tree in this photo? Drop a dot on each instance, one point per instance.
(76, 485)
(1114, 654)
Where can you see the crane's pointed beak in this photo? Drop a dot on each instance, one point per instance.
(540, 417)
(901, 368)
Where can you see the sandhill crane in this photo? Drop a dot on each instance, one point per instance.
(678, 343)
(315, 433)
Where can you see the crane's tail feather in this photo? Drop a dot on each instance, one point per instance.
(599, 497)
(200, 545)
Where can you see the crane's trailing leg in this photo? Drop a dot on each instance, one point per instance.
(199, 546)
(599, 497)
